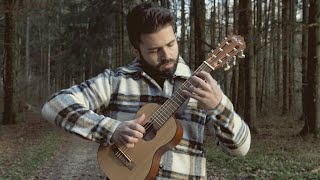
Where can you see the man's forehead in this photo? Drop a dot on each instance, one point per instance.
(159, 38)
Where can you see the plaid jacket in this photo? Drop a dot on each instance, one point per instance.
(95, 108)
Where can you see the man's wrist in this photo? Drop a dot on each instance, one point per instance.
(223, 112)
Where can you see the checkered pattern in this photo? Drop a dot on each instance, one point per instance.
(95, 108)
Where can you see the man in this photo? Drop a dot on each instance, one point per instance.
(151, 78)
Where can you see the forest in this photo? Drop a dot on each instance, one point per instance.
(49, 45)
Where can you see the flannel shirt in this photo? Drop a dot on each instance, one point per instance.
(95, 108)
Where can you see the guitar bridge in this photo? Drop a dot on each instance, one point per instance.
(123, 157)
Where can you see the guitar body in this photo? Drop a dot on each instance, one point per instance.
(142, 161)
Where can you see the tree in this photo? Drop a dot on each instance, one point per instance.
(304, 55)
(183, 30)
(120, 32)
(235, 73)
(247, 73)
(10, 101)
(311, 99)
(227, 75)
(199, 28)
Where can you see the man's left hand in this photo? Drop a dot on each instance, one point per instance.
(207, 91)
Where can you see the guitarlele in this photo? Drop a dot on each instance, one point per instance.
(163, 132)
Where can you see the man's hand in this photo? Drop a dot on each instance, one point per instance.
(129, 132)
(207, 92)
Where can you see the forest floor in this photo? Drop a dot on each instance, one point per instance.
(35, 149)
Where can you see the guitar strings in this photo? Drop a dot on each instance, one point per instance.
(159, 114)
(177, 95)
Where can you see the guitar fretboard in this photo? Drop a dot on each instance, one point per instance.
(171, 105)
(218, 58)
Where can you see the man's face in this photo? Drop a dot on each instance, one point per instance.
(160, 50)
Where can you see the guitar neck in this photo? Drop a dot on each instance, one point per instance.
(219, 57)
(171, 105)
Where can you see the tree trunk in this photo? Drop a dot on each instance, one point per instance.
(317, 73)
(258, 51)
(304, 57)
(183, 30)
(312, 89)
(199, 27)
(120, 32)
(165, 3)
(235, 74)
(10, 101)
(213, 25)
(278, 67)
(27, 73)
(292, 56)
(228, 74)
(273, 53)
(245, 29)
(49, 68)
(285, 56)
(192, 37)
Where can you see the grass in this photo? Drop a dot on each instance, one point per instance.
(275, 153)
(260, 164)
(26, 146)
(33, 158)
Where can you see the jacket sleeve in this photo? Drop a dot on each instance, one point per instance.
(232, 132)
(74, 109)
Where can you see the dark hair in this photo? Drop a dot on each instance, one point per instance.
(147, 18)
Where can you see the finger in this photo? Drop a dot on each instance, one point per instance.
(140, 119)
(207, 77)
(137, 127)
(197, 91)
(136, 124)
(192, 95)
(129, 145)
(130, 139)
(200, 82)
(134, 133)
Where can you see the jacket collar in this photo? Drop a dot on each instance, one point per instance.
(135, 66)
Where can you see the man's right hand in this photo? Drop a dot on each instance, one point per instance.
(129, 132)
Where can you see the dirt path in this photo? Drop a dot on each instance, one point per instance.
(76, 159)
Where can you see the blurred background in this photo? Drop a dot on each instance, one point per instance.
(48, 45)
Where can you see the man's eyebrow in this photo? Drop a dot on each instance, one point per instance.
(153, 48)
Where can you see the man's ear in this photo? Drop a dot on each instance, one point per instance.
(135, 52)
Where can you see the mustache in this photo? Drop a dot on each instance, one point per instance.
(165, 61)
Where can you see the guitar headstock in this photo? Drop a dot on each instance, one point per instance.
(225, 53)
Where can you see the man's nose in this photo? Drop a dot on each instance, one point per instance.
(165, 54)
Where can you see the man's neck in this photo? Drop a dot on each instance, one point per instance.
(150, 71)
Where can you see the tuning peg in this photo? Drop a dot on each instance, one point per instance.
(227, 67)
(210, 54)
(241, 55)
(234, 62)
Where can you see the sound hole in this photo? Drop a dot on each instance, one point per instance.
(150, 131)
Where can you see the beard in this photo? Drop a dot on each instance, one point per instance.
(158, 70)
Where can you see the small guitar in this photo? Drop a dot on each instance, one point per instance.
(163, 131)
